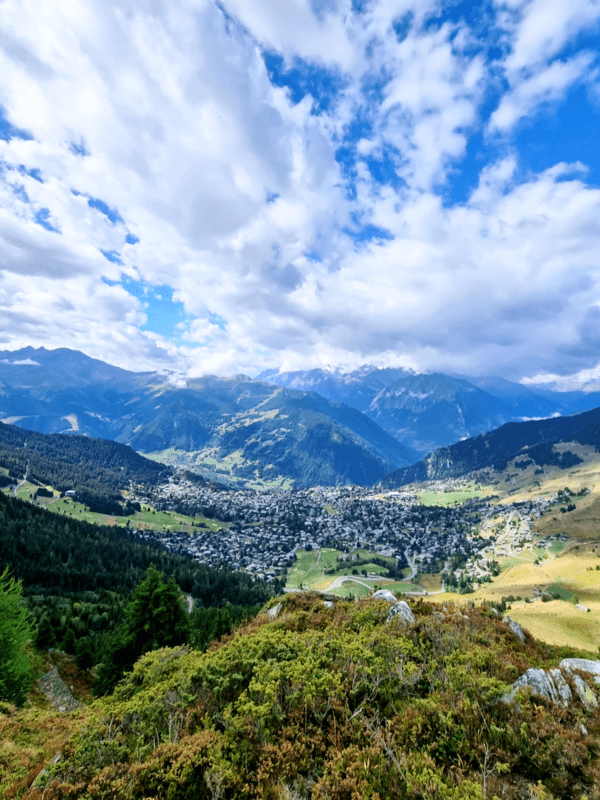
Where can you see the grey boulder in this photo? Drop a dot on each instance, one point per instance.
(515, 628)
(401, 611)
(385, 594)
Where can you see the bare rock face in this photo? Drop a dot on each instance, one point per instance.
(385, 594)
(582, 665)
(274, 611)
(401, 610)
(588, 699)
(540, 683)
(57, 692)
(562, 687)
(551, 685)
(515, 628)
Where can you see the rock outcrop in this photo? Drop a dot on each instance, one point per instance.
(588, 699)
(515, 628)
(582, 665)
(401, 610)
(385, 594)
(539, 681)
(54, 688)
(274, 611)
(552, 684)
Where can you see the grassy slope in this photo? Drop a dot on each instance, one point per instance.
(146, 519)
(308, 572)
(556, 622)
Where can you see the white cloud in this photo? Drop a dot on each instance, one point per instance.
(241, 204)
(549, 85)
(540, 29)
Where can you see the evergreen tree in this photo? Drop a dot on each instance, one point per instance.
(45, 636)
(154, 618)
(15, 670)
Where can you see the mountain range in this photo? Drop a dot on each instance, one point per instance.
(318, 427)
(429, 411)
(228, 428)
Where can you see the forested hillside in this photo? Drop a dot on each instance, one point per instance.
(57, 554)
(98, 470)
(532, 440)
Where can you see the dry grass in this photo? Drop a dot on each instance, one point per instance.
(560, 623)
(431, 583)
(556, 622)
(29, 739)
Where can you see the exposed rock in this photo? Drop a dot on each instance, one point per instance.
(540, 683)
(385, 594)
(439, 616)
(328, 603)
(515, 628)
(562, 687)
(583, 665)
(587, 697)
(552, 686)
(403, 612)
(582, 608)
(274, 611)
(54, 688)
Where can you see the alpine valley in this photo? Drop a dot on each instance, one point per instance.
(203, 583)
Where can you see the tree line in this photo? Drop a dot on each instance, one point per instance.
(59, 555)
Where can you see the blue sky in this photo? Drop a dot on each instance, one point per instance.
(233, 186)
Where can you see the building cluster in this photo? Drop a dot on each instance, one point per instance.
(263, 530)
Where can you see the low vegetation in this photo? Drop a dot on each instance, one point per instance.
(324, 702)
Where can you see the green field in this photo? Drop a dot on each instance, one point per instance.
(562, 592)
(221, 469)
(146, 519)
(309, 568)
(319, 569)
(351, 589)
(453, 498)
(401, 586)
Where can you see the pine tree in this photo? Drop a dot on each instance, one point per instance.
(154, 618)
(15, 670)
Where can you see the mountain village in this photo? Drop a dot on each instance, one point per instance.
(263, 531)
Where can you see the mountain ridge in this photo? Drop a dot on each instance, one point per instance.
(432, 410)
(261, 432)
(531, 439)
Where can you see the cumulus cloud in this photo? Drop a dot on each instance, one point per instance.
(287, 170)
(540, 29)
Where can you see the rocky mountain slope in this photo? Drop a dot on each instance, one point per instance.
(529, 442)
(260, 431)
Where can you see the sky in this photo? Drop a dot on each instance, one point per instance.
(231, 186)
